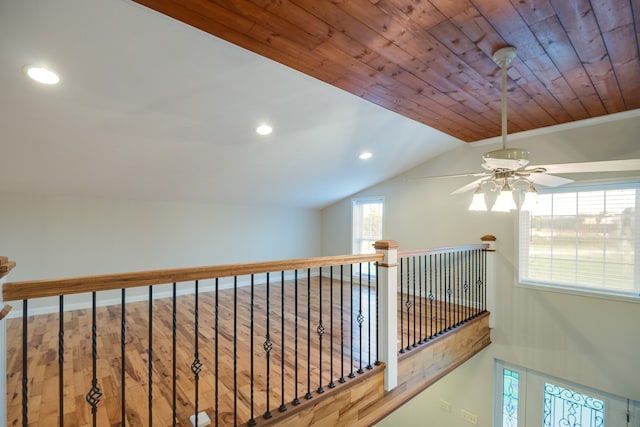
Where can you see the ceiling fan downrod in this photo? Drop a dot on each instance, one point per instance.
(503, 58)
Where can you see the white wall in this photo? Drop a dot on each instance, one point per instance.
(55, 236)
(587, 340)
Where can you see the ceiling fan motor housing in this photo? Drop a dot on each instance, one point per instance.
(507, 158)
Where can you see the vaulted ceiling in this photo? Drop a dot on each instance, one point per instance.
(431, 60)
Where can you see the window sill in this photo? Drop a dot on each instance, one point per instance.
(548, 287)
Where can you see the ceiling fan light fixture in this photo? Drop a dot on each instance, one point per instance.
(530, 199)
(504, 201)
(478, 203)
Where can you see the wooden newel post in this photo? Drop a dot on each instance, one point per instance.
(491, 277)
(5, 267)
(388, 306)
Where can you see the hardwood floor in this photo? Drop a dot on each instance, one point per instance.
(228, 393)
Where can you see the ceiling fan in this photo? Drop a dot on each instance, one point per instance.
(507, 169)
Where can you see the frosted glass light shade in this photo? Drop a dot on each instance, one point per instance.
(478, 203)
(504, 201)
(530, 199)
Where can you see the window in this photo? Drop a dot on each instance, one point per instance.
(585, 238)
(367, 224)
(528, 398)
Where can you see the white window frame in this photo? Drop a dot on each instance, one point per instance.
(579, 290)
(354, 203)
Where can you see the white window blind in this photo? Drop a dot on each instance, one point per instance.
(367, 224)
(585, 238)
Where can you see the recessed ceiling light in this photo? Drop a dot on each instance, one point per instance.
(42, 75)
(366, 155)
(264, 129)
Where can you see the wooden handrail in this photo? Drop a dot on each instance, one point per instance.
(443, 250)
(13, 291)
(5, 310)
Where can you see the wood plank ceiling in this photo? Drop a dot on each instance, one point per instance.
(431, 60)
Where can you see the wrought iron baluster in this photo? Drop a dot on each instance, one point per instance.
(267, 346)
(447, 296)
(217, 354)
(94, 394)
(174, 325)
(61, 360)
(377, 363)
(25, 380)
(415, 341)
(235, 350)
(456, 264)
(296, 400)
(331, 383)
(196, 366)
(401, 308)
(439, 295)
(351, 373)
(308, 395)
(342, 378)
(283, 407)
(360, 317)
(252, 420)
(408, 305)
(431, 313)
(420, 301)
(369, 314)
(150, 355)
(320, 332)
(123, 331)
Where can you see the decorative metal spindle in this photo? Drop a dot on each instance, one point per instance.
(174, 327)
(456, 265)
(196, 366)
(61, 360)
(468, 284)
(439, 294)
(296, 400)
(216, 319)
(267, 346)
(342, 378)
(331, 383)
(415, 341)
(123, 335)
(420, 318)
(479, 282)
(471, 282)
(235, 350)
(447, 297)
(360, 317)
(401, 309)
(283, 407)
(407, 303)
(431, 313)
(351, 373)
(150, 355)
(308, 395)
(252, 420)
(25, 380)
(320, 331)
(94, 394)
(369, 314)
(377, 317)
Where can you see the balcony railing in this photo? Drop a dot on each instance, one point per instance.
(233, 344)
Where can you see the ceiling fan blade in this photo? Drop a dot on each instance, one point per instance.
(459, 175)
(468, 187)
(601, 166)
(548, 180)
